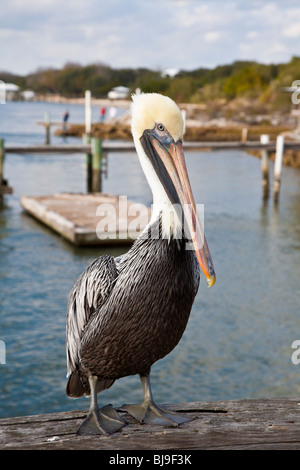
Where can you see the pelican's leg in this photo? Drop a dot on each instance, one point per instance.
(148, 412)
(100, 420)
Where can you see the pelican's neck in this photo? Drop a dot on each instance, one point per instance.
(161, 206)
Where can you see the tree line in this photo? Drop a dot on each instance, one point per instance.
(248, 79)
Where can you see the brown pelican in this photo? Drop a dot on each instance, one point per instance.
(125, 313)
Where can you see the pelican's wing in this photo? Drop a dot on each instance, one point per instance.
(88, 294)
(196, 275)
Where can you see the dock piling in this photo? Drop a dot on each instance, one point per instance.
(265, 139)
(244, 134)
(86, 140)
(88, 112)
(96, 165)
(47, 128)
(4, 188)
(1, 166)
(278, 166)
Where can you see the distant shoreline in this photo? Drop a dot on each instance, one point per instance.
(81, 100)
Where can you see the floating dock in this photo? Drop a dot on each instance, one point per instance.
(264, 424)
(88, 219)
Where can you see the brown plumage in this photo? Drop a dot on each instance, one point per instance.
(141, 314)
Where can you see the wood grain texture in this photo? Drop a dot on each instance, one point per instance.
(266, 424)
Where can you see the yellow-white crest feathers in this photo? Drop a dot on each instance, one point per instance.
(149, 109)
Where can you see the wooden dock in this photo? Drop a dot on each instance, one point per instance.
(264, 424)
(4, 187)
(77, 217)
(96, 151)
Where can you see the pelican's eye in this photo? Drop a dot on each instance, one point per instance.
(160, 127)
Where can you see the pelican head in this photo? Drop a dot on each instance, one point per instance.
(157, 129)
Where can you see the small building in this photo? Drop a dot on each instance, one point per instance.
(118, 93)
(28, 95)
(171, 72)
(11, 91)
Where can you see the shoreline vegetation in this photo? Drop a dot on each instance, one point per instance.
(232, 102)
(243, 91)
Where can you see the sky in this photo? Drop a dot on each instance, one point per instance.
(157, 34)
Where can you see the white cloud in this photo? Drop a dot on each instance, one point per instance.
(212, 36)
(252, 35)
(292, 31)
(151, 33)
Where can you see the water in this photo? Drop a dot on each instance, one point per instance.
(238, 340)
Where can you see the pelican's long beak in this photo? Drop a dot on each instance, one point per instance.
(168, 155)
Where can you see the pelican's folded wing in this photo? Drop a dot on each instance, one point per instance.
(88, 294)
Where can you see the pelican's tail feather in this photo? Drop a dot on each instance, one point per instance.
(77, 386)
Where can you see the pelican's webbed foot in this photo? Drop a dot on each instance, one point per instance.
(148, 412)
(101, 421)
(104, 420)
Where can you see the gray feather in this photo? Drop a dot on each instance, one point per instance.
(89, 293)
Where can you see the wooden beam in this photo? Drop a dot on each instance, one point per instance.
(96, 165)
(257, 424)
(4, 188)
(278, 166)
(265, 139)
(47, 128)
(129, 147)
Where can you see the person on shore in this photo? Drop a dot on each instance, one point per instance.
(112, 112)
(65, 119)
(102, 113)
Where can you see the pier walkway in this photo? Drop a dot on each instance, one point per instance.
(264, 424)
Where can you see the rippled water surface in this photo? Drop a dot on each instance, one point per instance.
(238, 340)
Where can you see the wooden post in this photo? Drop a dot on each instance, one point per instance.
(87, 140)
(4, 188)
(87, 137)
(278, 166)
(88, 112)
(96, 165)
(264, 139)
(1, 166)
(47, 128)
(2, 154)
(244, 134)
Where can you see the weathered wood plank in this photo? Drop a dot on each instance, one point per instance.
(51, 149)
(223, 425)
(129, 147)
(77, 217)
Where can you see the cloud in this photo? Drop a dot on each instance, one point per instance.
(212, 36)
(292, 31)
(151, 33)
